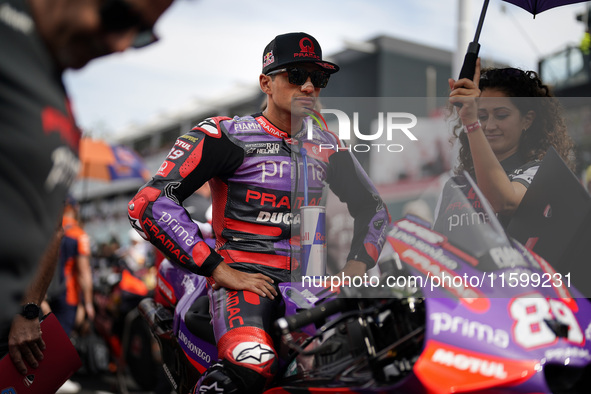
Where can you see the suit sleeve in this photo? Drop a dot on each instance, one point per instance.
(350, 183)
(156, 211)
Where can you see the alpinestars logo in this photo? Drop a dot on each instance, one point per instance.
(253, 353)
(212, 388)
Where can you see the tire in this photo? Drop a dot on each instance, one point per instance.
(139, 353)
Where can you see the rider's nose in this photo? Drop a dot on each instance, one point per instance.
(308, 86)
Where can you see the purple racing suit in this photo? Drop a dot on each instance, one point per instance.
(256, 176)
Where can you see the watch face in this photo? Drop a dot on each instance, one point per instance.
(30, 311)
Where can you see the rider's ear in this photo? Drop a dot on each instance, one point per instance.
(265, 83)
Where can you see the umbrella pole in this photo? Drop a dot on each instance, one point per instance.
(469, 64)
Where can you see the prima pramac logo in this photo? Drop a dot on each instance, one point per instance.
(307, 49)
(388, 124)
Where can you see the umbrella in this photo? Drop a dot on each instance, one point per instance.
(103, 161)
(532, 6)
(536, 6)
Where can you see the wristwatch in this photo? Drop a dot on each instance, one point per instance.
(30, 311)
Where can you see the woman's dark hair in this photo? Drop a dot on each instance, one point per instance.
(548, 128)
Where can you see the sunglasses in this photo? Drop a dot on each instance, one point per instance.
(119, 15)
(299, 76)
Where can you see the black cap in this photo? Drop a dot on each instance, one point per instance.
(291, 48)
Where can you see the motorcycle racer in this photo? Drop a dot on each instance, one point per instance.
(254, 168)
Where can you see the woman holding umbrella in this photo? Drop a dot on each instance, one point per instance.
(509, 120)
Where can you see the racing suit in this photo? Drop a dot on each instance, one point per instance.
(255, 172)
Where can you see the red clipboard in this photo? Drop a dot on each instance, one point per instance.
(60, 361)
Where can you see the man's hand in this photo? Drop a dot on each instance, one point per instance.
(354, 268)
(25, 343)
(225, 276)
(89, 309)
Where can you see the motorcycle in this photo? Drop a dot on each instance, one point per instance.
(455, 309)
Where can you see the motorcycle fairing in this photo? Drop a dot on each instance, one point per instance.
(517, 334)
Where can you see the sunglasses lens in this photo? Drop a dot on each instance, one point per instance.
(319, 79)
(298, 76)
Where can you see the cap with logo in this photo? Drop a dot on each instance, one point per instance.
(291, 48)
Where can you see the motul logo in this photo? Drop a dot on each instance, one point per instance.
(471, 364)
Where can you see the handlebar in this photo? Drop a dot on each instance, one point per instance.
(308, 316)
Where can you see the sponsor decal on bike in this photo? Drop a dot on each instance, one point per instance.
(425, 247)
(165, 289)
(196, 350)
(188, 284)
(561, 354)
(475, 365)
(534, 316)
(507, 257)
(560, 288)
(446, 323)
(439, 276)
(444, 368)
(422, 232)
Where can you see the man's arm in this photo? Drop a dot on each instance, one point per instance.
(85, 281)
(157, 211)
(24, 340)
(351, 184)
(84, 273)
